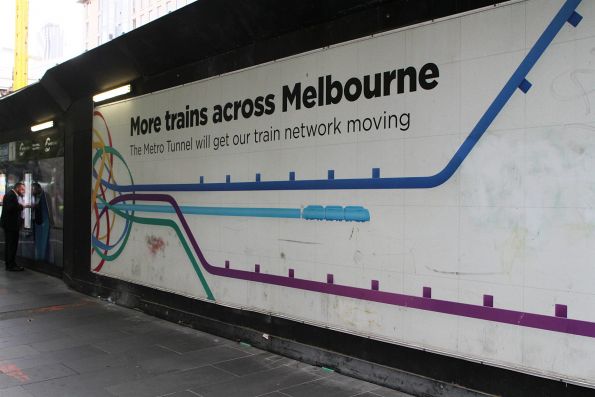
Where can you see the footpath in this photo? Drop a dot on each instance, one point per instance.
(57, 342)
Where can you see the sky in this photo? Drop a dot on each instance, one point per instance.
(68, 14)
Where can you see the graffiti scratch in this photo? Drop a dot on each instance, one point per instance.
(298, 241)
(155, 244)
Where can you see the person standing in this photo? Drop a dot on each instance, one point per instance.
(10, 220)
(42, 224)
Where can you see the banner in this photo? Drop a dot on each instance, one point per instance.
(431, 186)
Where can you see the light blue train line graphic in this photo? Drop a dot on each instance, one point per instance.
(124, 199)
(310, 212)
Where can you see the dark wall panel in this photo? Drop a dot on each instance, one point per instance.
(77, 193)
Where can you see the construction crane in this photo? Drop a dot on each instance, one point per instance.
(21, 55)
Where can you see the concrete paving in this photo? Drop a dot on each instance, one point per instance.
(57, 342)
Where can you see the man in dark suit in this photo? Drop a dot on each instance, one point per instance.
(11, 223)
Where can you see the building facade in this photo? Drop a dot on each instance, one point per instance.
(108, 19)
(54, 34)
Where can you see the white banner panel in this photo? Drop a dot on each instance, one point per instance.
(431, 186)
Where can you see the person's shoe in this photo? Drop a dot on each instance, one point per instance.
(16, 268)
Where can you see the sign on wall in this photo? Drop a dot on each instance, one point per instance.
(43, 146)
(430, 186)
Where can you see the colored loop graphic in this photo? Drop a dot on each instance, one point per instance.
(104, 224)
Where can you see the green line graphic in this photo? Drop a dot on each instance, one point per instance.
(147, 221)
(159, 222)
